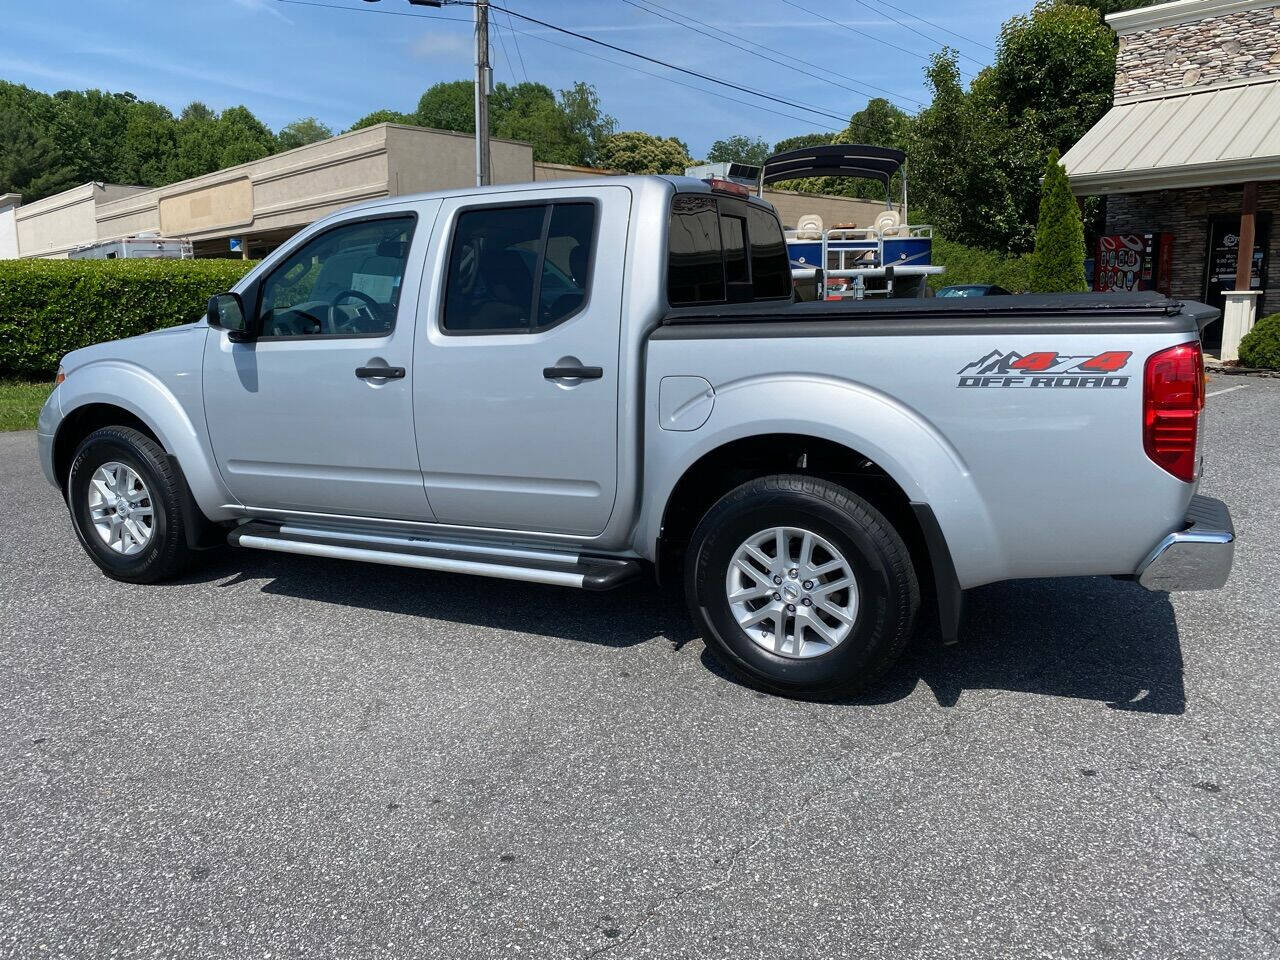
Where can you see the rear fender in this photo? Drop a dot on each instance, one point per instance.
(881, 428)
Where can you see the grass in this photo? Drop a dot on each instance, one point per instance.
(20, 402)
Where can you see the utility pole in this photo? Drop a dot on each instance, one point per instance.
(484, 79)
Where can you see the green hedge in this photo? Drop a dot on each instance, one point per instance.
(1260, 347)
(50, 307)
(973, 265)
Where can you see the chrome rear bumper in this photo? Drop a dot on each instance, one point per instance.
(1197, 557)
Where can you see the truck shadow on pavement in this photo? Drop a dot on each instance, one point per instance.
(1087, 638)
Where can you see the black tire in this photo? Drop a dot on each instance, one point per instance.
(166, 553)
(888, 590)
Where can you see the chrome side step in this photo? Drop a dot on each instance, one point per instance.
(423, 553)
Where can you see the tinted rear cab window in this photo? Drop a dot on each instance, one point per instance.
(724, 250)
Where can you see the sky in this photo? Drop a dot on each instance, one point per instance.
(288, 60)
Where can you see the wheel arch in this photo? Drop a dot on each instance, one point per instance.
(113, 392)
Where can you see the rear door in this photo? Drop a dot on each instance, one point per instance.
(516, 392)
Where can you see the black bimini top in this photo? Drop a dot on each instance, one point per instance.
(838, 160)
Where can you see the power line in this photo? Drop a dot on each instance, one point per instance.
(859, 33)
(678, 83)
(907, 26)
(789, 64)
(497, 29)
(564, 46)
(783, 53)
(519, 52)
(958, 36)
(670, 66)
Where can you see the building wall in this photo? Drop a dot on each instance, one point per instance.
(56, 225)
(423, 160)
(1219, 47)
(9, 226)
(1185, 214)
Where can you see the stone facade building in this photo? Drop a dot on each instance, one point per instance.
(1188, 157)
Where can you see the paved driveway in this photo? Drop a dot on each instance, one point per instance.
(287, 757)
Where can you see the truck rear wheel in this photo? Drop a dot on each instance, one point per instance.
(125, 499)
(801, 585)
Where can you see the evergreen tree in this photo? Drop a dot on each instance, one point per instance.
(1057, 262)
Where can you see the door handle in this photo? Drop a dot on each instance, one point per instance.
(573, 373)
(380, 373)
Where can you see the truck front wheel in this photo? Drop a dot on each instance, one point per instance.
(801, 585)
(126, 506)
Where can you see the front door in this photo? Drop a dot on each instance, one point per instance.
(516, 396)
(316, 415)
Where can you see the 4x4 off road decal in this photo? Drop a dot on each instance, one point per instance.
(1046, 368)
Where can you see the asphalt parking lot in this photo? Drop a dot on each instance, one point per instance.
(282, 756)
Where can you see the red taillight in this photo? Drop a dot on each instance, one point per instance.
(1172, 398)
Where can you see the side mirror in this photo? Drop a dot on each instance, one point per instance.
(226, 311)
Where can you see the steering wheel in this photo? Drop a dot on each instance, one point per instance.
(369, 308)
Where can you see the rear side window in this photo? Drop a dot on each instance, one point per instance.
(724, 250)
(770, 265)
(518, 269)
(695, 265)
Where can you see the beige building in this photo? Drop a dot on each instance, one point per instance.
(264, 202)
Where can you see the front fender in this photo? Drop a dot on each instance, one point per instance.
(120, 383)
(897, 438)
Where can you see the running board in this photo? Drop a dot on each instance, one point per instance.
(422, 553)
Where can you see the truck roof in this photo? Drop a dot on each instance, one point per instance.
(639, 182)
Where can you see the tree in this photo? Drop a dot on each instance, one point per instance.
(383, 116)
(803, 140)
(1057, 262)
(148, 148)
(242, 137)
(30, 161)
(196, 148)
(879, 124)
(739, 149)
(960, 152)
(636, 152)
(449, 106)
(587, 123)
(302, 132)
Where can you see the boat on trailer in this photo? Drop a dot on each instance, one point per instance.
(890, 257)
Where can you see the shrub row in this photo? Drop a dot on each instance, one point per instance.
(974, 265)
(50, 307)
(1260, 347)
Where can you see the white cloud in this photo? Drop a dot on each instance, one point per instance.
(263, 6)
(441, 45)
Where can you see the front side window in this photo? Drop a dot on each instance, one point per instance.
(344, 282)
(518, 269)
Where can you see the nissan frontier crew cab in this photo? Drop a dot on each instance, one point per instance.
(571, 383)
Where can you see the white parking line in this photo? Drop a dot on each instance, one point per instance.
(1239, 386)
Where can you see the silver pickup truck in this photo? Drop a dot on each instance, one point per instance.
(571, 383)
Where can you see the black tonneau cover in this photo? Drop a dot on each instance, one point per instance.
(1062, 313)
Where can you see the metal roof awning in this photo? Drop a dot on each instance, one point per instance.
(1182, 138)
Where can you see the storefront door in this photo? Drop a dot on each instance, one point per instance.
(1220, 270)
